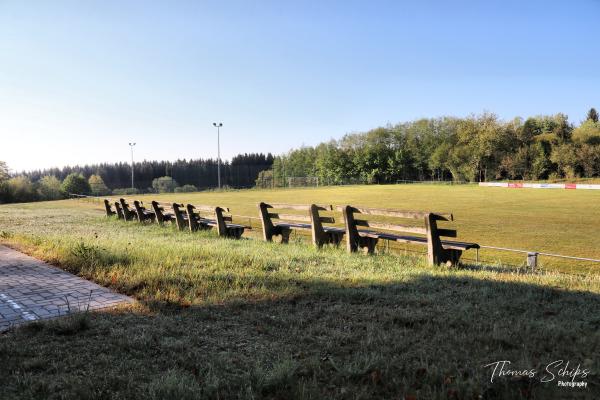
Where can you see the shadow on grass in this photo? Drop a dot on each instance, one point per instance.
(424, 339)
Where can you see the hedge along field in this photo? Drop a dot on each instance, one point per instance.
(553, 221)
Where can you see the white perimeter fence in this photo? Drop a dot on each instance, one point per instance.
(515, 185)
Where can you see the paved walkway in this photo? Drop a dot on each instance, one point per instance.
(31, 290)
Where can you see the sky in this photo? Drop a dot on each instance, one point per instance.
(80, 80)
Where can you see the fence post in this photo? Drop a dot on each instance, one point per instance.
(532, 259)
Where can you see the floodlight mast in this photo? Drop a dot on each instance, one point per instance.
(131, 147)
(218, 125)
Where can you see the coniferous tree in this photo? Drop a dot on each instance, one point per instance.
(592, 115)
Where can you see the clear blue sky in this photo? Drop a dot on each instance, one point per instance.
(79, 80)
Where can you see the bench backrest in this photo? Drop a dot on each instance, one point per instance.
(142, 212)
(119, 209)
(355, 217)
(108, 208)
(127, 212)
(180, 216)
(160, 211)
(211, 212)
(310, 215)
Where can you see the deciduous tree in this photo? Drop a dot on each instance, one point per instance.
(77, 184)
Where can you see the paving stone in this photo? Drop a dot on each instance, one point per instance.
(31, 289)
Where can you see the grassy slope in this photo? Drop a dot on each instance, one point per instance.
(222, 319)
(554, 221)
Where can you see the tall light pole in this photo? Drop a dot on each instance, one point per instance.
(218, 126)
(131, 147)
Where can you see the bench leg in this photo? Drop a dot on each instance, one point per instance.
(235, 233)
(336, 238)
(452, 256)
(278, 231)
(182, 225)
(367, 244)
(371, 245)
(333, 238)
(285, 235)
(205, 227)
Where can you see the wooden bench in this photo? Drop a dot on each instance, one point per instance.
(160, 212)
(311, 221)
(143, 214)
(181, 217)
(215, 219)
(128, 213)
(438, 251)
(119, 209)
(108, 208)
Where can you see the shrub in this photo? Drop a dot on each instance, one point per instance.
(265, 179)
(49, 188)
(20, 189)
(97, 185)
(186, 189)
(164, 184)
(125, 191)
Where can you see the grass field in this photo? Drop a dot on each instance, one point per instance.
(220, 319)
(554, 221)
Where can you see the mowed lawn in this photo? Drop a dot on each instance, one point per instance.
(221, 319)
(565, 222)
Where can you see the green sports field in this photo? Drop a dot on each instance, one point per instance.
(562, 222)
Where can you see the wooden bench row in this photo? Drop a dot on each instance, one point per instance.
(192, 217)
(363, 227)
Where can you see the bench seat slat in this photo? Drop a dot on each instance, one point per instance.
(334, 229)
(295, 225)
(238, 226)
(289, 224)
(459, 245)
(202, 220)
(447, 244)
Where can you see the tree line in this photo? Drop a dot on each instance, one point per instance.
(150, 176)
(476, 148)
